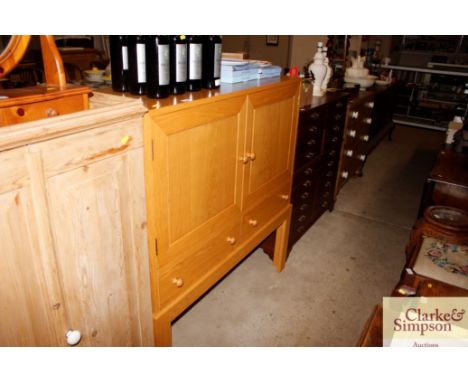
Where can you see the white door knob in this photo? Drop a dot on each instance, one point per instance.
(349, 153)
(355, 114)
(362, 157)
(365, 138)
(73, 337)
(352, 133)
(344, 174)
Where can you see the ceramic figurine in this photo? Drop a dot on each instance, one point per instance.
(329, 72)
(319, 70)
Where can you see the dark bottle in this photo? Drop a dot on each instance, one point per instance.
(157, 66)
(178, 64)
(194, 62)
(137, 64)
(211, 66)
(119, 62)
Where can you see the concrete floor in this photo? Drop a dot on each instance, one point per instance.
(336, 272)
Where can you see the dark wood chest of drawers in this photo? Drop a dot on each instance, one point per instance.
(318, 148)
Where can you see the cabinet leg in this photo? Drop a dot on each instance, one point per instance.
(281, 244)
(162, 332)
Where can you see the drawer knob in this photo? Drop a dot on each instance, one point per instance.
(309, 155)
(335, 139)
(337, 128)
(301, 218)
(326, 194)
(307, 183)
(355, 114)
(20, 111)
(331, 163)
(349, 153)
(300, 229)
(314, 115)
(73, 337)
(178, 282)
(251, 156)
(337, 117)
(303, 206)
(253, 222)
(305, 195)
(313, 129)
(285, 196)
(362, 158)
(327, 184)
(352, 133)
(311, 142)
(332, 153)
(365, 138)
(345, 174)
(339, 105)
(51, 112)
(244, 159)
(370, 105)
(368, 121)
(231, 240)
(308, 171)
(324, 204)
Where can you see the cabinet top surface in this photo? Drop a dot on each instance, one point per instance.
(311, 102)
(188, 97)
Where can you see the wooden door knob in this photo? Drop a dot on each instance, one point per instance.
(244, 159)
(231, 240)
(285, 196)
(253, 222)
(51, 112)
(178, 282)
(251, 156)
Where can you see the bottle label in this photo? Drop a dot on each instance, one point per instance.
(181, 62)
(124, 57)
(195, 62)
(217, 60)
(163, 65)
(141, 63)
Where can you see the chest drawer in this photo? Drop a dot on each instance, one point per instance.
(183, 273)
(41, 110)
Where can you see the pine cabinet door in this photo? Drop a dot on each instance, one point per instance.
(195, 174)
(270, 144)
(97, 221)
(31, 308)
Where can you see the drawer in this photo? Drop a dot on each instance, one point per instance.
(80, 149)
(304, 156)
(41, 110)
(258, 217)
(179, 276)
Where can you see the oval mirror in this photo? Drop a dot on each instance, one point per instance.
(12, 49)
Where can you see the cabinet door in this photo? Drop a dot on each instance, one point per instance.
(270, 144)
(31, 309)
(98, 219)
(194, 175)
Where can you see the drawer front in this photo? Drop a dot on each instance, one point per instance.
(182, 274)
(41, 110)
(76, 150)
(258, 217)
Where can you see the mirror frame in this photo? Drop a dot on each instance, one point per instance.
(13, 53)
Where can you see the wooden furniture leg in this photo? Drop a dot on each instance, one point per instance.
(162, 332)
(281, 243)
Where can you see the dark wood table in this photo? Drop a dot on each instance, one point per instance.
(447, 184)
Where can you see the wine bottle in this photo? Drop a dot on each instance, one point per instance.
(119, 62)
(211, 66)
(157, 66)
(194, 62)
(178, 64)
(137, 64)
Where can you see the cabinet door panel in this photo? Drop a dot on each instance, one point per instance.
(197, 174)
(99, 237)
(271, 137)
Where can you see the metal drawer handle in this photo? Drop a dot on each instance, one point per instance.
(313, 129)
(311, 142)
(310, 155)
(335, 139)
(305, 195)
(307, 183)
(336, 128)
(303, 206)
(308, 171)
(301, 218)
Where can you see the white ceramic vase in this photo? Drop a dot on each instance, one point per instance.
(328, 74)
(319, 70)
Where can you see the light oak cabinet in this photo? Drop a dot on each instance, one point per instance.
(218, 176)
(73, 229)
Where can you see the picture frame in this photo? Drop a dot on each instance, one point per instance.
(272, 40)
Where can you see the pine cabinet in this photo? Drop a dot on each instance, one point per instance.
(218, 177)
(73, 229)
